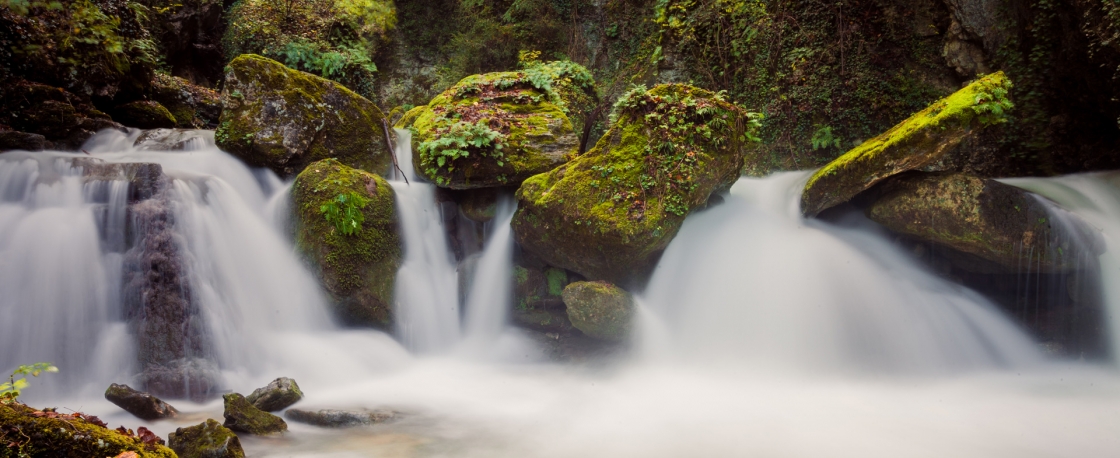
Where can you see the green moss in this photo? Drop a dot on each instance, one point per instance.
(241, 416)
(600, 309)
(145, 114)
(25, 431)
(557, 279)
(921, 140)
(409, 117)
(357, 270)
(206, 440)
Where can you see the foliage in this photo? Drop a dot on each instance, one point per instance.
(457, 141)
(993, 105)
(345, 212)
(823, 138)
(340, 63)
(10, 390)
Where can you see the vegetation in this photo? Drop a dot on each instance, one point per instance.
(10, 390)
(345, 211)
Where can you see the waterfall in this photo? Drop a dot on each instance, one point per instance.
(489, 298)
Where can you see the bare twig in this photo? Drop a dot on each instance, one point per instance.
(392, 152)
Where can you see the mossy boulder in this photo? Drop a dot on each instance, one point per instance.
(64, 119)
(538, 303)
(358, 269)
(241, 416)
(277, 395)
(494, 129)
(924, 142)
(192, 106)
(144, 114)
(994, 221)
(609, 213)
(206, 440)
(141, 404)
(25, 431)
(409, 117)
(479, 205)
(284, 119)
(600, 309)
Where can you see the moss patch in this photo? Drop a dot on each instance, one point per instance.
(25, 431)
(600, 309)
(206, 440)
(241, 416)
(145, 114)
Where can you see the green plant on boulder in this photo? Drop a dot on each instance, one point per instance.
(356, 257)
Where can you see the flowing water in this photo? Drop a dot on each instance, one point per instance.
(760, 334)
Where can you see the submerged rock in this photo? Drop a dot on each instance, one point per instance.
(355, 257)
(144, 114)
(25, 431)
(610, 212)
(340, 418)
(284, 119)
(241, 416)
(141, 404)
(277, 395)
(922, 142)
(206, 440)
(600, 309)
(994, 221)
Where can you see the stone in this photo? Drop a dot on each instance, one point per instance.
(600, 309)
(331, 418)
(13, 140)
(48, 433)
(64, 119)
(143, 405)
(538, 304)
(206, 440)
(479, 205)
(242, 417)
(192, 106)
(144, 114)
(277, 395)
(284, 119)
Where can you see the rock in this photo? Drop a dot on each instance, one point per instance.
(50, 434)
(340, 418)
(490, 130)
(278, 395)
(283, 119)
(409, 117)
(192, 106)
(994, 221)
(143, 405)
(600, 309)
(171, 139)
(12, 140)
(610, 212)
(479, 205)
(193, 378)
(357, 270)
(242, 417)
(924, 142)
(189, 35)
(144, 114)
(145, 179)
(62, 118)
(206, 440)
(537, 299)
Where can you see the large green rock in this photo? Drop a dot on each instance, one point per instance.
(241, 416)
(600, 309)
(608, 213)
(192, 106)
(25, 431)
(924, 142)
(985, 218)
(357, 269)
(144, 114)
(206, 440)
(284, 119)
(497, 129)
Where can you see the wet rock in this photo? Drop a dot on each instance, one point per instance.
(610, 212)
(538, 304)
(600, 309)
(144, 114)
(356, 261)
(192, 106)
(340, 418)
(145, 179)
(278, 395)
(206, 440)
(13, 140)
(189, 35)
(241, 416)
(283, 119)
(141, 404)
(61, 117)
(479, 205)
(924, 142)
(53, 434)
(170, 139)
(193, 378)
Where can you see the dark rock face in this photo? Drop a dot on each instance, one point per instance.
(538, 304)
(190, 35)
(139, 403)
(11, 140)
(340, 418)
(206, 440)
(62, 118)
(145, 114)
(192, 106)
(278, 395)
(241, 416)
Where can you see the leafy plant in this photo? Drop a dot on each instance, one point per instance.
(345, 212)
(824, 138)
(992, 105)
(456, 141)
(11, 389)
(328, 62)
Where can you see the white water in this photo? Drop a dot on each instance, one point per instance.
(762, 335)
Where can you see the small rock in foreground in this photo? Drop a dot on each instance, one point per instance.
(206, 440)
(139, 403)
(241, 416)
(278, 395)
(340, 418)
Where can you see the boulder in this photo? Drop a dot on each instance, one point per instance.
(143, 405)
(144, 114)
(538, 304)
(339, 418)
(490, 130)
(145, 179)
(25, 431)
(242, 417)
(600, 309)
(61, 117)
(610, 212)
(171, 139)
(356, 258)
(479, 205)
(12, 140)
(924, 142)
(994, 221)
(284, 119)
(206, 440)
(277, 395)
(192, 106)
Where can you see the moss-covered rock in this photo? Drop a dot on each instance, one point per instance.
(192, 106)
(479, 205)
(600, 309)
(336, 39)
(332, 418)
(64, 119)
(537, 299)
(986, 218)
(922, 142)
(141, 404)
(608, 213)
(278, 395)
(241, 416)
(206, 440)
(284, 119)
(144, 114)
(25, 431)
(409, 117)
(358, 269)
